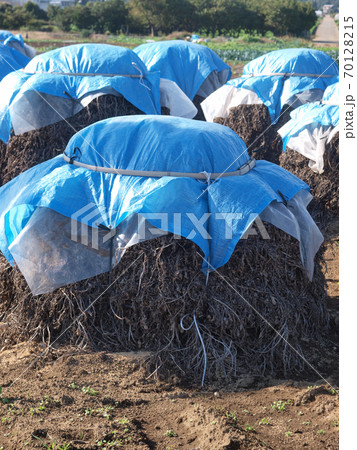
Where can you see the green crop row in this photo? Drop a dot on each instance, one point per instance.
(246, 55)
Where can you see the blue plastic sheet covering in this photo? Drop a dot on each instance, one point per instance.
(313, 115)
(275, 90)
(4, 34)
(12, 38)
(10, 60)
(332, 94)
(16, 42)
(42, 77)
(38, 208)
(186, 63)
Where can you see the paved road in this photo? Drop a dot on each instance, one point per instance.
(327, 32)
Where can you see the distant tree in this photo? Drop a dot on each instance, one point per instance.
(179, 15)
(306, 18)
(5, 13)
(204, 16)
(4, 7)
(19, 16)
(62, 18)
(34, 11)
(288, 16)
(109, 16)
(82, 17)
(14, 18)
(231, 16)
(52, 11)
(255, 19)
(149, 12)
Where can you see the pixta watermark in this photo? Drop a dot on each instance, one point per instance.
(90, 226)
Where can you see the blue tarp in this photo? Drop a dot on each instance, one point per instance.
(16, 42)
(10, 60)
(313, 114)
(186, 63)
(4, 34)
(6, 38)
(154, 143)
(332, 93)
(275, 91)
(44, 75)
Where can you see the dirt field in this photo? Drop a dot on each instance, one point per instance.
(107, 401)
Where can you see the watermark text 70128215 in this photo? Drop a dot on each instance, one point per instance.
(348, 67)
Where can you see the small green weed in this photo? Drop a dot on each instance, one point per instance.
(49, 401)
(12, 409)
(105, 412)
(46, 402)
(89, 390)
(232, 415)
(53, 445)
(280, 405)
(107, 444)
(170, 433)
(124, 420)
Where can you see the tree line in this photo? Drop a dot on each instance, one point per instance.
(209, 17)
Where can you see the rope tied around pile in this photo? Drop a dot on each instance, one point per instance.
(91, 74)
(244, 169)
(140, 76)
(288, 74)
(74, 154)
(324, 102)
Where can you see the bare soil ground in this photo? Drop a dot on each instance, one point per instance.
(103, 400)
(237, 69)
